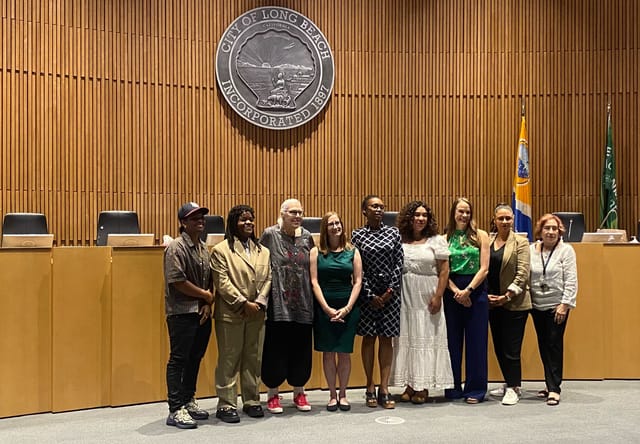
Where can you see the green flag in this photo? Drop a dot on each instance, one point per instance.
(608, 187)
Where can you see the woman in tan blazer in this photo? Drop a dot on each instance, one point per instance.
(242, 279)
(509, 300)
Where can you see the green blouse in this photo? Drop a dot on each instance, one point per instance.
(464, 258)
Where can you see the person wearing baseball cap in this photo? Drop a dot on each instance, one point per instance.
(188, 299)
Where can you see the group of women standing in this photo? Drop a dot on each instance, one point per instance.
(452, 288)
(422, 297)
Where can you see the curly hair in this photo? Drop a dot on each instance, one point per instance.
(405, 221)
(471, 231)
(232, 232)
(537, 232)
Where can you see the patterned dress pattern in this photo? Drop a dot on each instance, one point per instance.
(382, 258)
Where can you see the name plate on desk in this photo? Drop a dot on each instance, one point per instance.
(27, 241)
(130, 240)
(604, 237)
(213, 239)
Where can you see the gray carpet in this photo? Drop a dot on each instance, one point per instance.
(590, 411)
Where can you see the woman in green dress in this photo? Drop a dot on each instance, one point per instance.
(336, 278)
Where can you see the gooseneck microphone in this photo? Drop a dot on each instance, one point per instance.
(569, 233)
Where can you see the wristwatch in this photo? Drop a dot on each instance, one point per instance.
(470, 288)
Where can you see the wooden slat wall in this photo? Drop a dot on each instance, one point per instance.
(114, 105)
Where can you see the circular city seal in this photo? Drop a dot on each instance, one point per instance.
(275, 68)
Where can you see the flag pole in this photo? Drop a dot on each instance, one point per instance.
(522, 110)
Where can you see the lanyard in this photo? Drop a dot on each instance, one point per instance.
(544, 265)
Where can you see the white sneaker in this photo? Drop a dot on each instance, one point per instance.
(498, 392)
(511, 397)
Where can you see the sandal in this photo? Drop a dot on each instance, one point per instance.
(543, 394)
(407, 395)
(471, 400)
(553, 399)
(386, 401)
(344, 405)
(420, 397)
(371, 399)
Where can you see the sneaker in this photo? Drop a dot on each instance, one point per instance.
(253, 411)
(301, 402)
(228, 415)
(273, 404)
(181, 419)
(195, 411)
(511, 397)
(498, 392)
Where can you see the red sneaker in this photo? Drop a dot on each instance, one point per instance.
(301, 403)
(273, 404)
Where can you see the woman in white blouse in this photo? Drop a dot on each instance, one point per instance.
(554, 285)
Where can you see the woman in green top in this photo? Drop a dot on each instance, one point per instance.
(336, 278)
(466, 305)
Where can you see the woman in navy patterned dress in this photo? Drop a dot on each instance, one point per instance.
(382, 257)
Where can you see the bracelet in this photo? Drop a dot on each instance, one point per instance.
(506, 295)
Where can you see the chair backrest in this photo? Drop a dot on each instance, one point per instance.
(24, 223)
(312, 224)
(389, 218)
(573, 225)
(117, 222)
(212, 225)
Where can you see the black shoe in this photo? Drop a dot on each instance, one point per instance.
(195, 411)
(254, 411)
(228, 415)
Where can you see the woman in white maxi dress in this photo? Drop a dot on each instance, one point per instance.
(421, 357)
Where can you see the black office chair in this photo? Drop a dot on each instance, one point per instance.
(573, 225)
(389, 218)
(117, 222)
(212, 225)
(24, 223)
(312, 224)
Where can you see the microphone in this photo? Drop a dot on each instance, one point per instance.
(569, 233)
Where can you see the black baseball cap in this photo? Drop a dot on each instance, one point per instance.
(190, 208)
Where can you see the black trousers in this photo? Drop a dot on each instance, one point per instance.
(507, 332)
(550, 343)
(188, 341)
(286, 354)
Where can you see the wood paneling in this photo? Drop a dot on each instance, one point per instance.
(114, 105)
(81, 328)
(25, 332)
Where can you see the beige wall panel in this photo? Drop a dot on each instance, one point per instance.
(25, 332)
(622, 356)
(138, 334)
(81, 320)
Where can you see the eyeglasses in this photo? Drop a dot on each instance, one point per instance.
(295, 212)
(334, 224)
